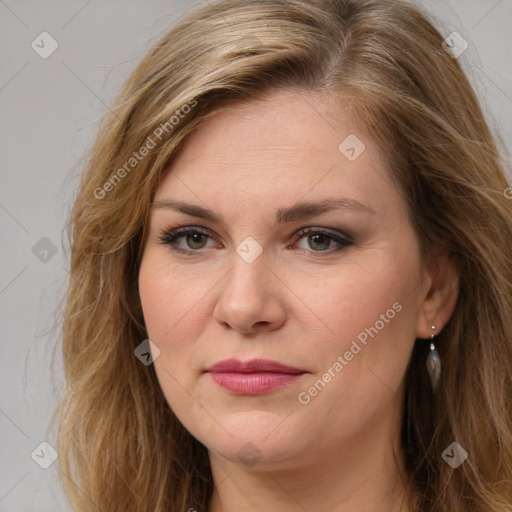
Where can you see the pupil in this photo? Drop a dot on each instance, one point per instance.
(196, 238)
(315, 239)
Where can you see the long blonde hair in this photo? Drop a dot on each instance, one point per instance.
(120, 446)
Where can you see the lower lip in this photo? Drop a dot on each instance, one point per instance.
(253, 383)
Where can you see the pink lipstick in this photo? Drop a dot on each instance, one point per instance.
(254, 377)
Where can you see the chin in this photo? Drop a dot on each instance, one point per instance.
(253, 439)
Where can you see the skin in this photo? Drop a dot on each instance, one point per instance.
(296, 304)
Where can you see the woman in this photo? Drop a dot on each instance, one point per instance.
(301, 206)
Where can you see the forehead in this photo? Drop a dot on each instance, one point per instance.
(285, 122)
(288, 145)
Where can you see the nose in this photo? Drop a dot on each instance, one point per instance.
(250, 300)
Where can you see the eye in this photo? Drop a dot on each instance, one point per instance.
(194, 238)
(321, 240)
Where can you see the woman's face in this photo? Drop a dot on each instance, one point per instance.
(298, 250)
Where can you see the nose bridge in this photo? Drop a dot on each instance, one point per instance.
(246, 284)
(248, 296)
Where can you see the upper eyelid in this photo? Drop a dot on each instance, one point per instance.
(192, 228)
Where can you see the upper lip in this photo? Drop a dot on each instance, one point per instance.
(252, 366)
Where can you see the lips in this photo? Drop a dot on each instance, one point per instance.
(254, 377)
(254, 366)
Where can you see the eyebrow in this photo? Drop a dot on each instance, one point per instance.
(296, 212)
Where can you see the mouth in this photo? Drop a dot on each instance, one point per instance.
(254, 377)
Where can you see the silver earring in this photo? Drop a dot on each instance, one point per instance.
(433, 363)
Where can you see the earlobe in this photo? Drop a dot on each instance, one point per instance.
(440, 298)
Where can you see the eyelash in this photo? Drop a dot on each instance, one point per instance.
(169, 237)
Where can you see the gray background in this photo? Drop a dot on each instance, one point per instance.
(49, 111)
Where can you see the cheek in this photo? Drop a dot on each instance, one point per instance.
(356, 298)
(368, 316)
(174, 308)
(168, 298)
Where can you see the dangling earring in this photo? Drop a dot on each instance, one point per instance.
(433, 363)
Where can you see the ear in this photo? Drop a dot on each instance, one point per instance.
(441, 292)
